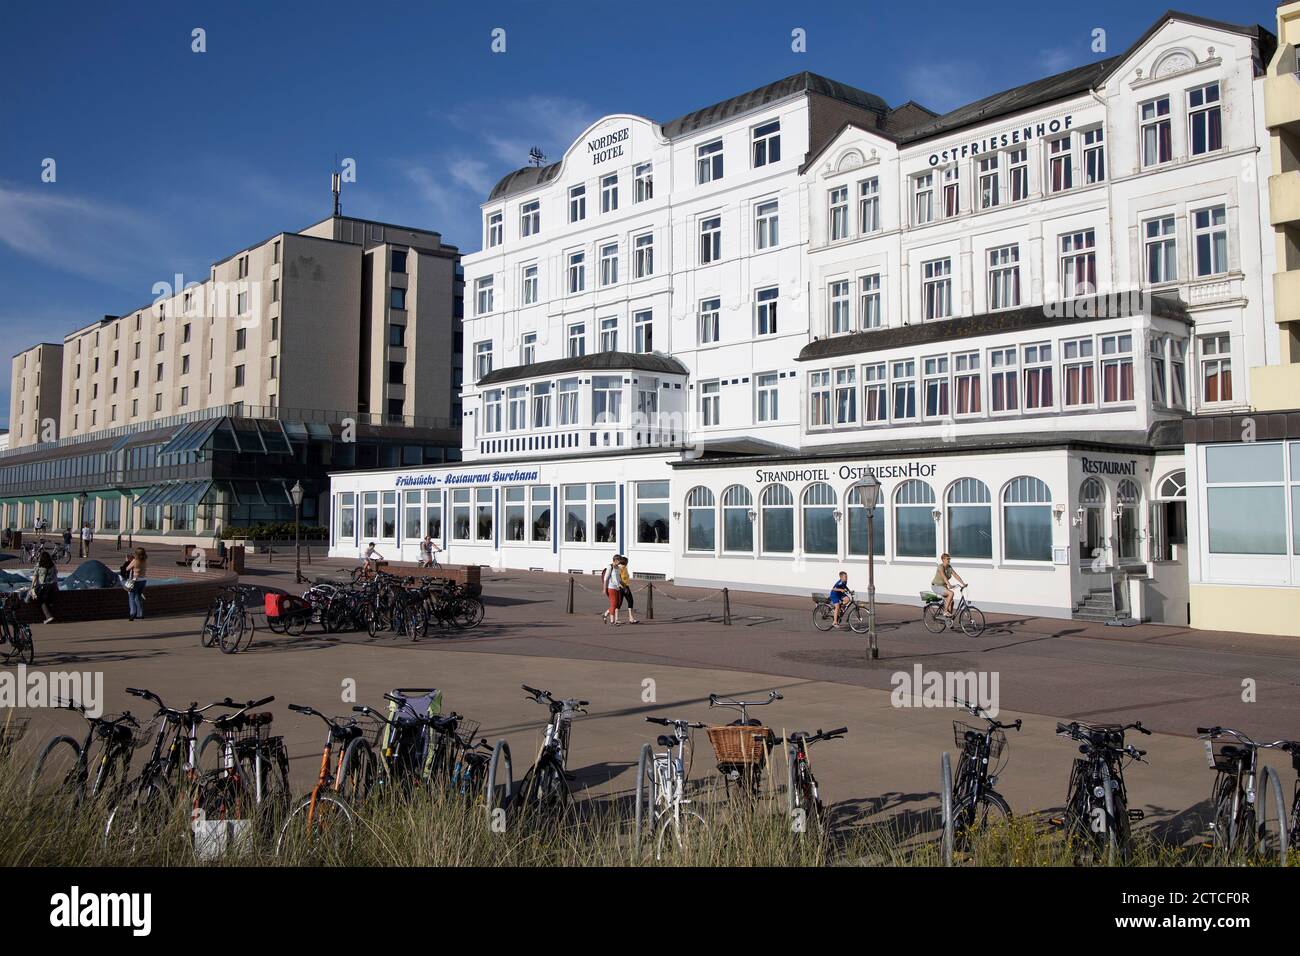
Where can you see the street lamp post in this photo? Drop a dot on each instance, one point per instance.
(81, 523)
(868, 490)
(296, 494)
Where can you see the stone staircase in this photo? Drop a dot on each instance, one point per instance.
(1098, 604)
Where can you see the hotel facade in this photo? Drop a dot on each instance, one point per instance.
(332, 347)
(1033, 318)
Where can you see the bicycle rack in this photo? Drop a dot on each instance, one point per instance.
(945, 791)
(500, 755)
(1273, 783)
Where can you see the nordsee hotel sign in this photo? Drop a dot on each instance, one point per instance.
(467, 478)
(1010, 138)
(608, 146)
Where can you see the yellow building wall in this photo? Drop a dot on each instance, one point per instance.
(1275, 388)
(1253, 610)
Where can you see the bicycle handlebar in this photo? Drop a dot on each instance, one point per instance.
(716, 701)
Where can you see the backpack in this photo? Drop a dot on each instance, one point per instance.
(416, 756)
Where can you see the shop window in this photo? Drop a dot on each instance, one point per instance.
(433, 514)
(700, 520)
(1246, 500)
(604, 513)
(413, 522)
(1027, 520)
(737, 519)
(652, 512)
(575, 514)
(515, 513)
(914, 524)
(370, 514)
(460, 508)
(820, 529)
(777, 516)
(970, 519)
(483, 514)
(540, 514)
(1092, 501)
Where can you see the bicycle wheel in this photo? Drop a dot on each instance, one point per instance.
(799, 797)
(135, 821)
(358, 770)
(208, 636)
(295, 624)
(823, 617)
(679, 833)
(859, 619)
(971, 621)
(1223, 824)
(544, 792)
(934, 622)
(971, 816)
(1116, 843)
(643, 796)
(468, 613)
(249, 629)
(232, 633)
(212, 751)
(24, 648)
(58, 771)
(275, 799)
(320, 828)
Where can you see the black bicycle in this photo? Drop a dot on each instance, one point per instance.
(544, 793)
(1244, 826)
(15, 635)
(1097, 815)
(93, 769)
(807, 813)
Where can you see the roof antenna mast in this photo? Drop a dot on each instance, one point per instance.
(336, 186)
(536, 157)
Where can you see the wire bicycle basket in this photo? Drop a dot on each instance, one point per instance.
(967, 737)
(12, 731)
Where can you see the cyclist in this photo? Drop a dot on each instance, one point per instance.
(839, 594)
(943, 575)
(369, 558)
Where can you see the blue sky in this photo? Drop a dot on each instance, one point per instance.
(168, 159)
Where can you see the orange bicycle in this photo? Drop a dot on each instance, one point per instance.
(323, 820)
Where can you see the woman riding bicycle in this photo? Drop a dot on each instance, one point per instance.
(943, 575)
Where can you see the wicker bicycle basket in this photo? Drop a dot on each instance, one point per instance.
(962, 734)
(739, 744)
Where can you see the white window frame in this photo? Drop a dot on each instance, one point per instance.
(765, 310)
(708, 162)
(710, 320)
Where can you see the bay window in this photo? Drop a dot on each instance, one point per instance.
(1116, 368)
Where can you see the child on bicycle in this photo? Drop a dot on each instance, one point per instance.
(839, 595)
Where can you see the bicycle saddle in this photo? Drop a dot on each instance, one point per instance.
(665, 741)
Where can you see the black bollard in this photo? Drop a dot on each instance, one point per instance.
(569, 606)
(650, 601)
(726, 606)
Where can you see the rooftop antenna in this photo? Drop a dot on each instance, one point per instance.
(536, 157)
(336, 186)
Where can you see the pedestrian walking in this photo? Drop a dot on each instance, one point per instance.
(611, 580)
(45, 585)
(625, 586)
(134, 571)
(87, 536)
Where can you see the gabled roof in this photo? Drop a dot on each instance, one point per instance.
(656, 362)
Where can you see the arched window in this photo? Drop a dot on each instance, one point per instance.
(1127, 498)
(701, 520)
(914, 530)
(1092, 499)
(737, 525)
(1174, 485)
(1027, 520)
(777, 505)
(858, 524)
(820, 530)
(970, 519)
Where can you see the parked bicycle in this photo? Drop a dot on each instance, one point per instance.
(965, 616)
(172, 767)
(854, 614)
(95, 768)
(15, 635)
(406, 743)
(741, 748)
(662, 806)
(229, 623)
(543, 794)
(1097, 815)
(324, 819)
(60, 552)
(1243, 826)
(251, 778)
(974, 804)
(803, 797)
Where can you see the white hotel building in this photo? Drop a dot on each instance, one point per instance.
(684, 342)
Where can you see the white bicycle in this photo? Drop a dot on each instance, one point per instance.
(661, 802)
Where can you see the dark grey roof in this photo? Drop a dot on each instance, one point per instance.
(656, 362)
(1008, 320)
(1057, 87)
(804, 82)
(1163, 435)
(531, 176)
(1071, 82)
(1265, 426)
